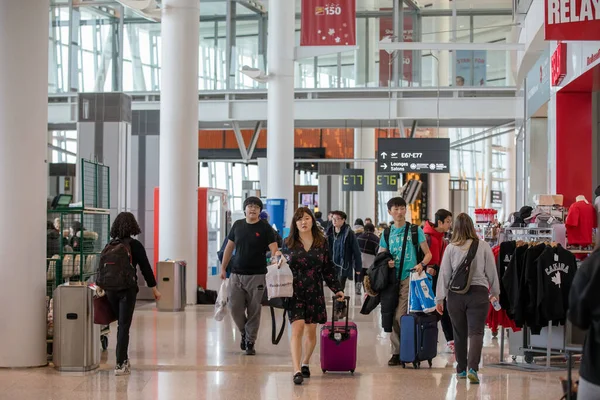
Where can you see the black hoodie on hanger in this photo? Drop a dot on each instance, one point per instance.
(512, 282)
(529, 288)
(556, 270)
(507, 250)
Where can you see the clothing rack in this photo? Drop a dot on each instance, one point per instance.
(530, 233)
(529, 347)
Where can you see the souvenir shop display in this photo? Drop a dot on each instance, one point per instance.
(486, 225)
(536, 273)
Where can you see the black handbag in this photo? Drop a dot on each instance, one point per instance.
(276, 302)
(460, 282)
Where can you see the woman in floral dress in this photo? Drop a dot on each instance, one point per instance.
(307, 253)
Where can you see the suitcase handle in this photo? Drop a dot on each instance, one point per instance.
(346, 330)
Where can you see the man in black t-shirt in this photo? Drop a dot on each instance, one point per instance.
(251, 238)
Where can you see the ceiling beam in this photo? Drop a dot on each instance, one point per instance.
(449, 46)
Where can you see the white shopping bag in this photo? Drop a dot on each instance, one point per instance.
(280, 280)
(421, 298)
(222, 299)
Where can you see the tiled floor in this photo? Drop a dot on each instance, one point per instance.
(189, 355)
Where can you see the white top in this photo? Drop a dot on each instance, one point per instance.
(485, 273)
(597, 204)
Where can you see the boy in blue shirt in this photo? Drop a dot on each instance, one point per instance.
(397, 233)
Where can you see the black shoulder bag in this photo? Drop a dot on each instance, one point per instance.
(460, 281)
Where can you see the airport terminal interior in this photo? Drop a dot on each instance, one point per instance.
(222, 179)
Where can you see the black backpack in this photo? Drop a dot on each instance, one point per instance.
(414, 232)
(116, 270)
(460, 281)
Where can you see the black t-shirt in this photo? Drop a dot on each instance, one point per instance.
(251, 245)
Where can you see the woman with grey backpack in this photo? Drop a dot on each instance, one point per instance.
(468, 281)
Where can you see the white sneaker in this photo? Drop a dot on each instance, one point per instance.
(123, 369)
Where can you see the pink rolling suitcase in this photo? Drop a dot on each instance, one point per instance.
(339, 345)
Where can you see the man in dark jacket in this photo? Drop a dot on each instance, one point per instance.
(584, 312)
(343, 248)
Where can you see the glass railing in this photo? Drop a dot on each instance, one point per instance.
(420, 69)
(98, 67)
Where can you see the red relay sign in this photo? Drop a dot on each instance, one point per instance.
(572, 20)
(328, 23)
(558, 64)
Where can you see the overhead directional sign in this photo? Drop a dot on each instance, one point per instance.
(413, 155)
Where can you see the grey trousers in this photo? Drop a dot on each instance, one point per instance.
(468, 313)
(587, 390)
(245, 296)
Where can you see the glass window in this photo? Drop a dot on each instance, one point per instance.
(491, 28)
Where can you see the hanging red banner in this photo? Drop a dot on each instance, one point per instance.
(572, 20)
(386, 28)
(328, 23)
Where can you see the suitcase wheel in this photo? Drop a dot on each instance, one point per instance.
(430, 363)
(324, 370)
(417, 365)
(529, 357)
(403, 365)
(104, 342)
(352, 371)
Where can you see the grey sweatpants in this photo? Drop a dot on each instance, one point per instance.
(245, 296)
(468, 313)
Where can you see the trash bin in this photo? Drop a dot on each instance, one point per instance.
(171, 284)
(76, 343)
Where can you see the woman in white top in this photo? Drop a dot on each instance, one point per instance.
(468, 311)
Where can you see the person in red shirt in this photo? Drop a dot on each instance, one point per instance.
(437, 244)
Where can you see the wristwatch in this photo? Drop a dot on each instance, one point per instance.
(424, 265)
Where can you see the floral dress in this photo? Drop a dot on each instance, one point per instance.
(310, 269)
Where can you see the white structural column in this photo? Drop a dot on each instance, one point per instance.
(439, 194)
(280, 116)
(363, 203)
(23, 134)
(178, 170)
(439, 184)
